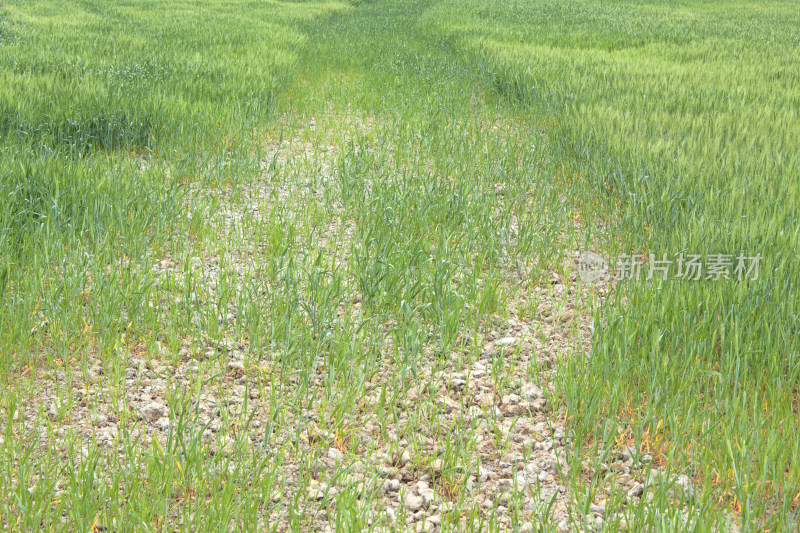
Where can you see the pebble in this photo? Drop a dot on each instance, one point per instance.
(450, 405)
(335, 454)
(105, 436)
(402, 459)
(390, 485)
(599, 508)
(52, 411)
(318, 491)
(511, 399)
(683, 487)
(412, 502)
(236, 368)
(636, 491)
(456, 383)
(425, 492)
(153, 411)
(531, 392)
(625, 479)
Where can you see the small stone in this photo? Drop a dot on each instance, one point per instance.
(683, 488)
(532, 468)
(531, 392)
(412, 502)
(519, 408)
(236, 368)
(636, 491)
(450, 405)
(627, 454)
(153, 411)
(485, 400)
(402, 459)
(507, 341)
(456, 383)
(511, 399)
(501, 501)
(317, 491)
(335, 454)
(226, 345)
(625, 479)
(105, 436)
(599, 508)
(390, 485)
(426, 493)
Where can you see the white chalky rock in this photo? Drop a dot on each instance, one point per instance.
(153, 411)
(412, 502)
